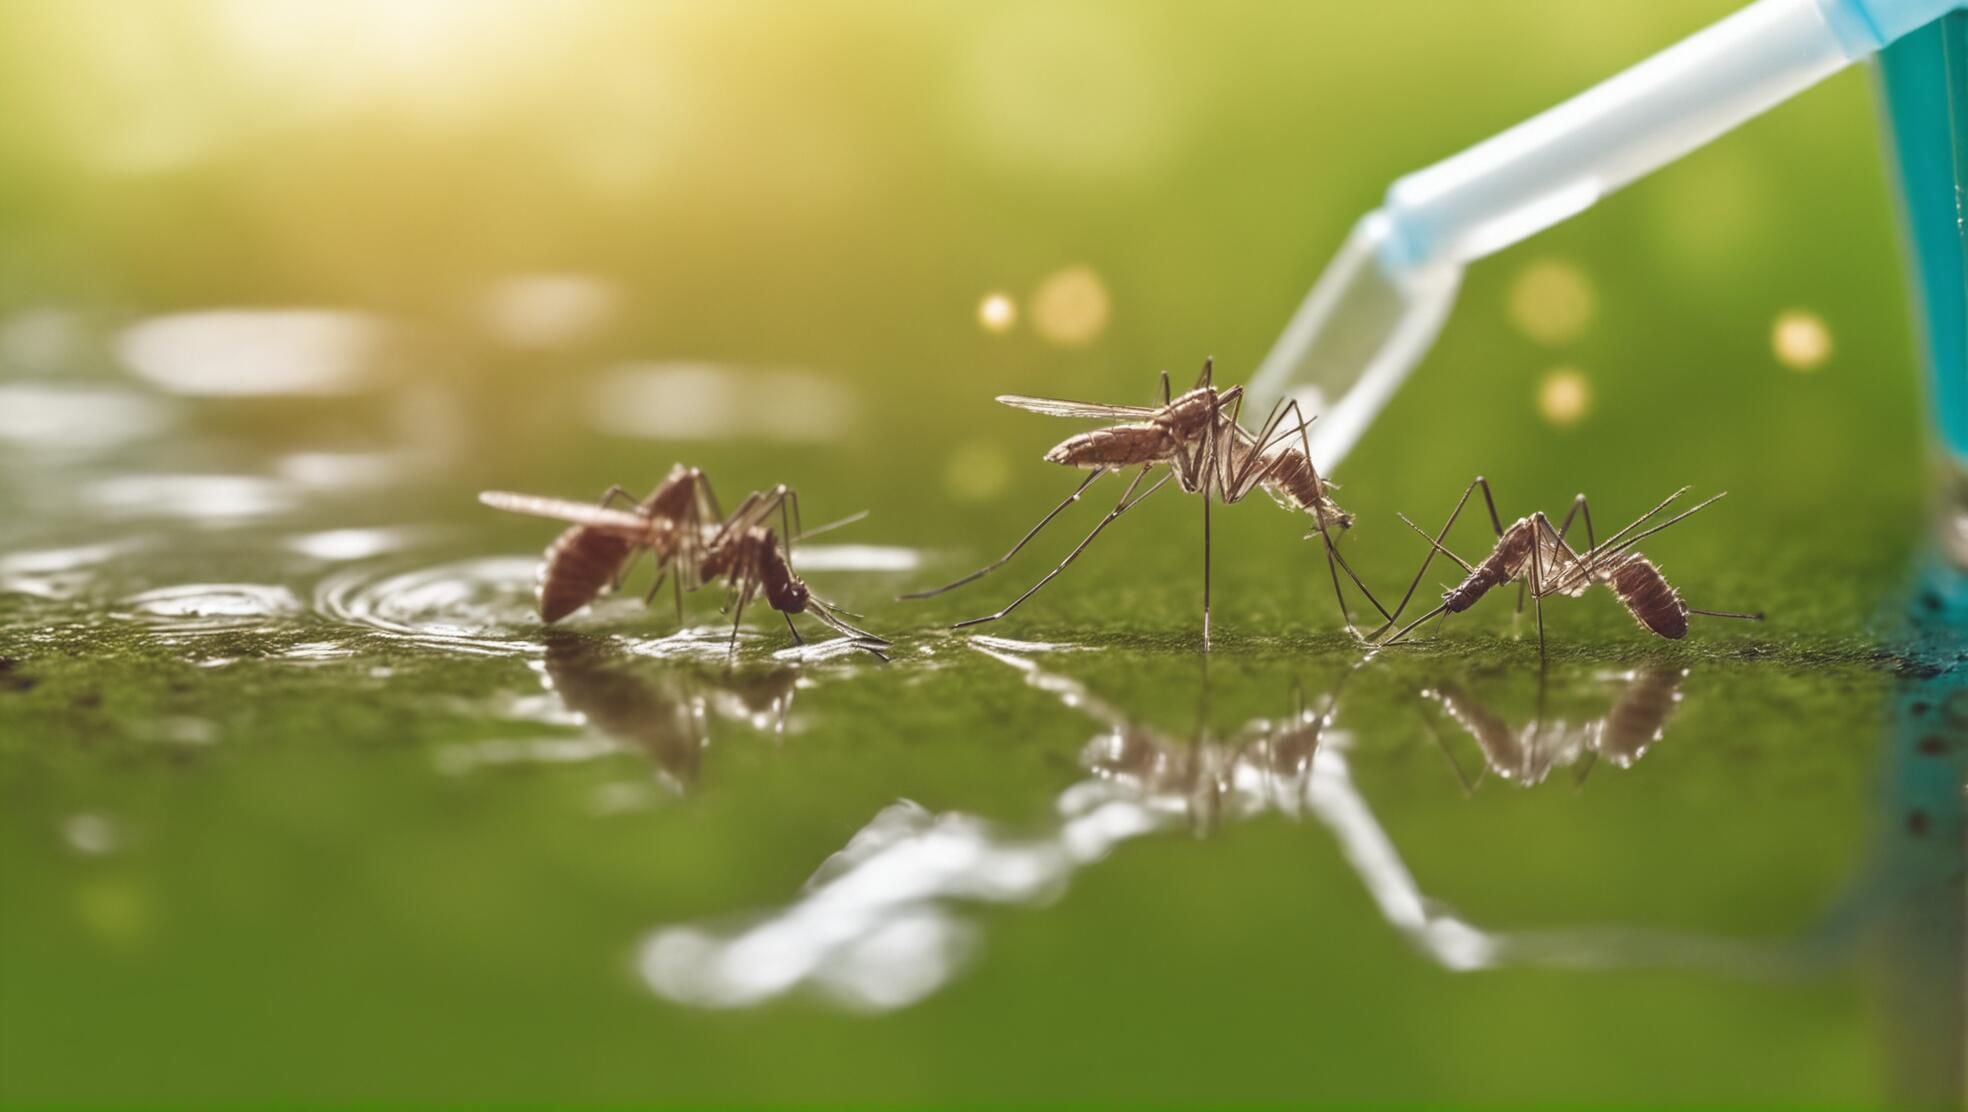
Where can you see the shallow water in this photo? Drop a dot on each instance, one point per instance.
(297, 797)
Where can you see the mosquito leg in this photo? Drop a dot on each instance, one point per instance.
(676, 588)
(1206, 565)
(744, 595)
(862, 639)
(1166, 396)
(1334, 554)
(793, 629)
(829, 613)
(1022, 542)
(1756, 617)
(1436, 543)
(1409, 628)
(1537, 592)
(655, 587)
(1127, 502)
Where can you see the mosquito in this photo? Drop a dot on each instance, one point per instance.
(1197, 435)
(748, 556)
(691, 545)
(1531, 550)
(590, 559)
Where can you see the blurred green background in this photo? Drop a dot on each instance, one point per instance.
(300, 801)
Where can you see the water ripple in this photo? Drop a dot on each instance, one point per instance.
(482, 606)
(198, 608)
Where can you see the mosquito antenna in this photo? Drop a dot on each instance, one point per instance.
(850, 519)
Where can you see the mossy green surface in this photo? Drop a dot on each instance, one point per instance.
(333, 838)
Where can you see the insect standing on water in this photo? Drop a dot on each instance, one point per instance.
(679, 523)
(589, 560)
(1207, 451)
(1533, 551)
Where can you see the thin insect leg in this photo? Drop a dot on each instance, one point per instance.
(661, 575)
(1206, 546)
(1409, 628)
(1258, 463)
(1462, 778)
(1127, 502)
(1333, 554)
(1580, 508)
(1537, 593)
(797, 639)
(1209, 373)
(744, 596)
(1585, 769)
(1022, 542)
(1436, 543)
(1579, 567)
(616, 491)
(1166, 396)
(1756, 617)
(1644, 518)
(676, 588)
(1332, 569)
(707, 498)
(830, 614)
(862, 639)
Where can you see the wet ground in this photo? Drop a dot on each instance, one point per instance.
(297, 796)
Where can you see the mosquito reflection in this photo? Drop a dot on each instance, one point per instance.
(882, 923)
(664, 713)
(1643, 700)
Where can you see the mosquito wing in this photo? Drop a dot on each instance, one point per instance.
(619, 522)
(1054, 407)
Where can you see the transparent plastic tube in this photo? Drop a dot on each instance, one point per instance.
(1379, 304)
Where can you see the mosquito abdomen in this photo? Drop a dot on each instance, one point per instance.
(1120, 446)
(581, 566)
(1647, 596)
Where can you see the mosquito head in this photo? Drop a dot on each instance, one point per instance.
(784, 591)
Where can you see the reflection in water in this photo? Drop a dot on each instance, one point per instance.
(665, 714)
(1526, 755)
(879, 925)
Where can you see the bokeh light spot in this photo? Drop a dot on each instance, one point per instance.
(1564, 396)
(1800, 340)
(997, 312)
(1070, 307)
(976, 471)
(1552, 302)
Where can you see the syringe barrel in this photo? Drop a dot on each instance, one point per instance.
(1559, 162)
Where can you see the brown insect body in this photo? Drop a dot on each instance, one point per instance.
(1160, 439)
(582, 564)
(1646, 594)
